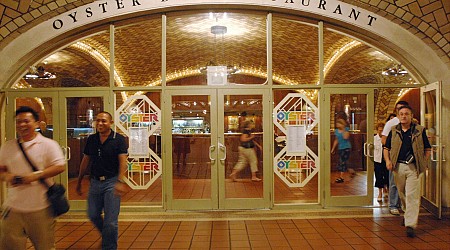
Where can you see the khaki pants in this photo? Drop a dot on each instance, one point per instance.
(15, 227)
(247, 156)
(408, 185)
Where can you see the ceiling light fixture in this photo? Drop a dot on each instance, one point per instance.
(219, 30)
(39, 73)
(395, 70)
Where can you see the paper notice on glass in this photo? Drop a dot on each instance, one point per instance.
(296, 140)
(139, 143)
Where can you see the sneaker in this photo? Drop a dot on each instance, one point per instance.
(339, 180)
(410, 232)
(394, 211)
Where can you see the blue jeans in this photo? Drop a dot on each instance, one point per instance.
(101, 197)
(393, 192)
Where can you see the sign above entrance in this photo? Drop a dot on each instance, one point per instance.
(109, 8)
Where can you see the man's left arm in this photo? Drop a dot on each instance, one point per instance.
(121, 187)
(426, 146)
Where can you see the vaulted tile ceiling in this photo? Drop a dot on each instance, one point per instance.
(191, 45)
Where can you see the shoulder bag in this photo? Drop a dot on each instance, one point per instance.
(55, 194)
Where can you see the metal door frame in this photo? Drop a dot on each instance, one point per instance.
(325, 148)
(218, 200)
(437, 153)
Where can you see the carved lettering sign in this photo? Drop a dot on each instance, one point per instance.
(110, 8)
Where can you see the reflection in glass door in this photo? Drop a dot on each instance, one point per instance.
(243, 137)
(80, 123)
(193, 151)
(431, 117)
(206, 146)
(350, 129)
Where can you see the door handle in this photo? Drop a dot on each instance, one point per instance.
(224, 148)
(68, 153)
(443, 155)
(369, 147)
(211, 148)
(365, 149)
(432, 152)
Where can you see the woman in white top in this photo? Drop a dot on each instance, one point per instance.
(381, 172)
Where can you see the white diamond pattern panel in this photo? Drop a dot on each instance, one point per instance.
(295, 109)
(139, 112)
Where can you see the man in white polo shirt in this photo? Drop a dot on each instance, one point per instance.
(394, 204)
(26, 212)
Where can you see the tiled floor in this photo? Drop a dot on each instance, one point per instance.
(380, 231)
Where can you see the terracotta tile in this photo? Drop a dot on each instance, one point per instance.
(160, 244)
(238, 232)
(336, 242)
(217, 244)
(127, 238)
(278, 243)
(313, 236)
(355, 241)
(180, 245)
(167, 237)
(259, 243)
(183, 238)
(202, 232)
(316, 243)
(140, 244)
(239, 237)
(201, 238)
(240, 244)
(200, 245)
(256, 237)
(374, 240)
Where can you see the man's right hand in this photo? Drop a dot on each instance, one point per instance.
(389, 165)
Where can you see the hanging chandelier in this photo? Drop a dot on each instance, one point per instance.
(39, 73)
(219, 30)
(395, 70)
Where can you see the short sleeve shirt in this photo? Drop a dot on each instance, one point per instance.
(342, 143)
(42, 152)
(104, 158)
(387, 127)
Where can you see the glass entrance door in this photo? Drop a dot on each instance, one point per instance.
(66, 117)
(77, 112)
(430, 99)
(348, 146)
(206, 146)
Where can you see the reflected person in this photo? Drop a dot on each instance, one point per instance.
(247, 153)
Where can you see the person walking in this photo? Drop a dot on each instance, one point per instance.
(342, 143)
(406, 153)
(26, 210)
(247, 153)
(394, 202)
(106, 154)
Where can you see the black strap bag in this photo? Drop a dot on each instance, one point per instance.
(55, 194)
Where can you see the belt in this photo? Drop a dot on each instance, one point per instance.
(404, 162)
(101, 178)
